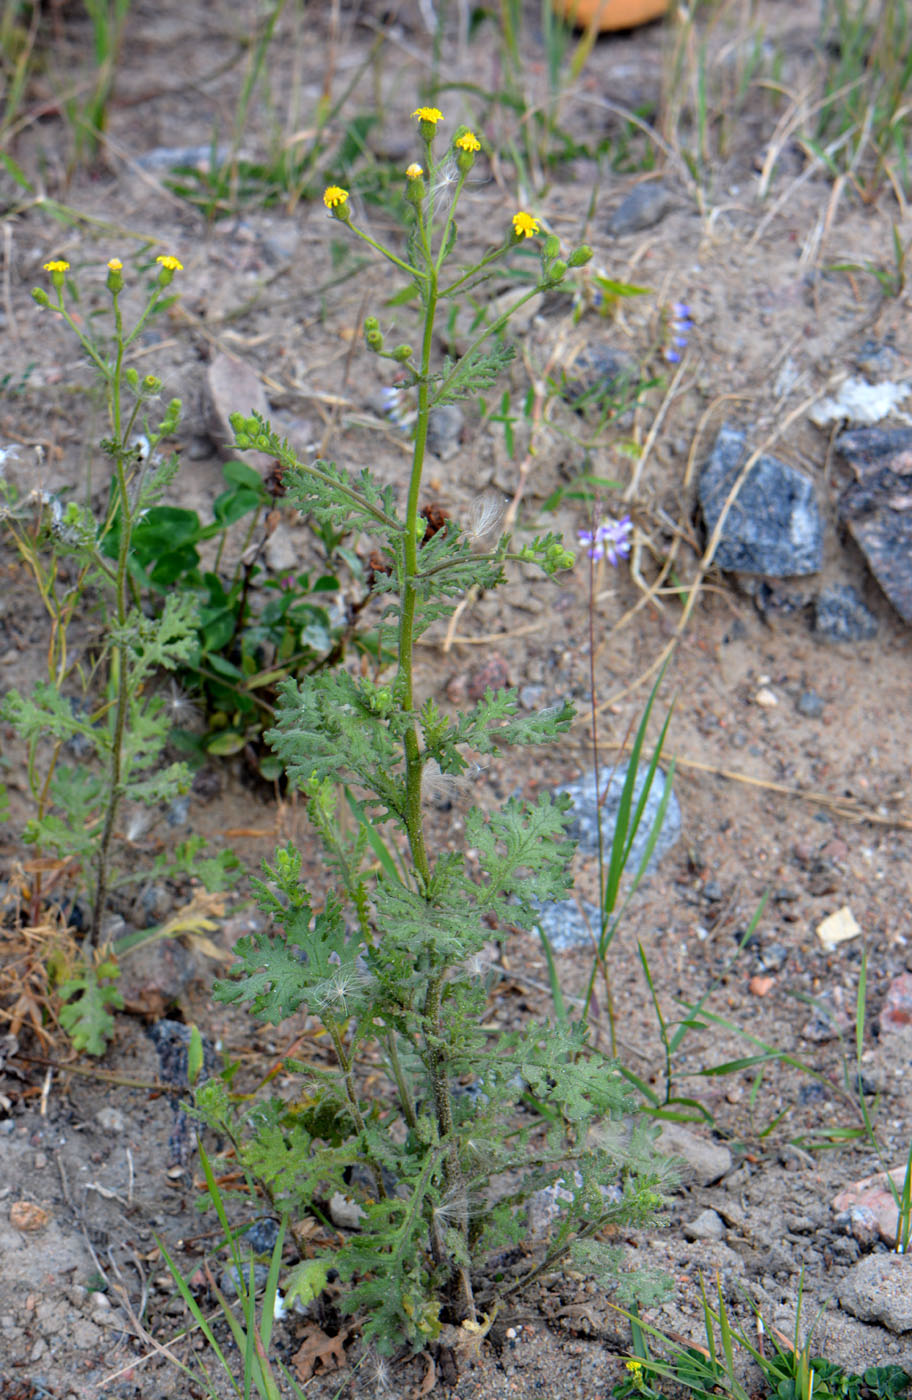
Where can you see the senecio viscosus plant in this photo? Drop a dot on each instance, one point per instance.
(438, 1129)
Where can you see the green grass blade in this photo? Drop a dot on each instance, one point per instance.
(197, 1314)
(374, 839)
(557, 996)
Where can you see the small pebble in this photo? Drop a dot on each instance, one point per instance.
(262, 1235)
(861, 1223)
(708, 1225)
(444, 433)
(111, 1120)
(809, 704)
(841, 616)
(644, 207)
(345, 1212)
(228, 1280)
(178, 812)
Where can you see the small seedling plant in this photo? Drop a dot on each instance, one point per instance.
(437, 1128)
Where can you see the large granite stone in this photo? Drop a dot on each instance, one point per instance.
(877, 507)
(773, 525)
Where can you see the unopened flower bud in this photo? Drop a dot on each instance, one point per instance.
(374, 337)
(402, 353)
(131, 375)
(551, 247)
(152, 384)
(41, 296)
(580, 256)
(557, 271)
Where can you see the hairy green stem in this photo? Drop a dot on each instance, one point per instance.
(120, 654)
(348, 1080)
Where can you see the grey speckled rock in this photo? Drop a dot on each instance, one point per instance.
(841, 616)
(877, 507)
(233, 386)
(568, 924)
(597, 371)
(706, 1160)
(774, 525)
(584, 825)
(644, 207)
(879, 1289)
(445, 425)
(707, 1226)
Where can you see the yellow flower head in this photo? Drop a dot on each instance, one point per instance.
(414, 171)
(428, 114)
(334, 196)
(169, 263)
(635, 1367)
(115, 265)
(57, 265)
(468, 141)
(524, 226)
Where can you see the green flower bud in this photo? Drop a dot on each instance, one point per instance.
(374, 341)
(415, 188)
(580, 256)
(402, 353)
(262, 443)
(131, 375)
(41, 296)
(238, 422)
(152, 384)
(551, 247)
(241, 441)
(557, 271)
(371, 324)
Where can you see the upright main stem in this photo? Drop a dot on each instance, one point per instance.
(436, 1055)
(413, 761)
(120, 657)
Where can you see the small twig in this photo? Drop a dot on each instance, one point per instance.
(106, 1075)
(46, 1091)
(64, 1183)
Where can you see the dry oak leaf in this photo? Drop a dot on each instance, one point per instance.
(320, 1350)
(25, 1215)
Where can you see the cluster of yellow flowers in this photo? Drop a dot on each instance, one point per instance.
(167, 260)
(466, 143)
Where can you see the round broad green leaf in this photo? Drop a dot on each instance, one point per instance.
(225, 743)
(241, 474)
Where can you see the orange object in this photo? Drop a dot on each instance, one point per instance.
(610, 14)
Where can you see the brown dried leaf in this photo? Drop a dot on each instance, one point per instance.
(319, 1350)
(430, 1380)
